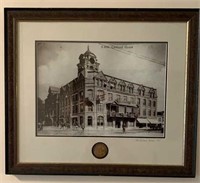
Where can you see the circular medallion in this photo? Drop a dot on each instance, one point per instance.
(100, 150)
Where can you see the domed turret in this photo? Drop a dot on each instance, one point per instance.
(88, 62)
(89, 54)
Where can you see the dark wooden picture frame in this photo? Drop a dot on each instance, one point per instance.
(13, 16)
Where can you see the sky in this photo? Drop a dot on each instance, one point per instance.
(142, 63)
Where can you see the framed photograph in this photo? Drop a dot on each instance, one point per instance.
(101, 91)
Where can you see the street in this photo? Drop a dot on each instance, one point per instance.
(114, 132)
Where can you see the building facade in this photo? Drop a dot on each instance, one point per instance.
(52, 106)
(97, 100)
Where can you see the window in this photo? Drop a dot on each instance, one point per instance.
(89, 120)
(154, 113)
(144, 102)
(81, 120)
(128, 109)
(75, 109)
(121, 109)
(110, 96)
(132, 100)
(100, 94)
(144, 112)
(90, 93)
(76, 97)
(66, 100)
(90, 108)
(81, 95)
(138, 101)
(118, 97)
(125, 98)
(143, 92)
(139, 112)
(130, 90)
(149, 104)
(154, 103)
(81, 108)
(100, 107)
(149, 112)
(100, 121)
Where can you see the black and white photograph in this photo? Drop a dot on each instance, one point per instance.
(101, 89)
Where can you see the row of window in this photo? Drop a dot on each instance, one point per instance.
(100, 121)
(150, 113)
(144, 102)
(74, 86)
(123, 88)
(101, 95)
(78, 96)
(99, 108)
(75, 108)
(75, 98)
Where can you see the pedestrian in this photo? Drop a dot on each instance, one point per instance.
(124, 127)
(83, 126)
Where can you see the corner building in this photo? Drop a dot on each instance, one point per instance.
(97, 100)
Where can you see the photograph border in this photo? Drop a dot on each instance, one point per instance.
(105, 136)
(15, 15)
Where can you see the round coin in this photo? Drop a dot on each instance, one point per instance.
(100, 150)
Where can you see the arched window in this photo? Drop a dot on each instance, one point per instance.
(100, 121)
(89, 120)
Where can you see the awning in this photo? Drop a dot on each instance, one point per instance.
(153, 121)
(143, 120)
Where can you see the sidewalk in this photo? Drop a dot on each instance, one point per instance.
(117, 132)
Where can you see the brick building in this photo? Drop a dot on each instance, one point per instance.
(97, 100)
(52, 106)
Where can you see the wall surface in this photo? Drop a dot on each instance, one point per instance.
(71, 4)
